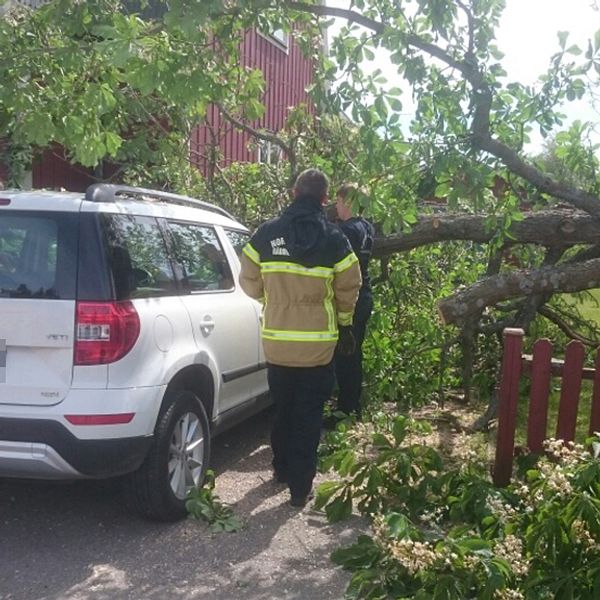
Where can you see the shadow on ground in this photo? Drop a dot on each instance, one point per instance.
(78, 541)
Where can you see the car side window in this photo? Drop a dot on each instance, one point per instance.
(199, 251)
(138, 257)
(238, 239)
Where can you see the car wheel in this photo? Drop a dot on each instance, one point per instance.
(177, 460)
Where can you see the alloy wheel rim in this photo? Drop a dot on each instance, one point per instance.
(186, 455)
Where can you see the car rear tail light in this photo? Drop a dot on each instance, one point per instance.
(4, 201)
(105, 331)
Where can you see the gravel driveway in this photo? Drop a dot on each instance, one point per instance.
(77, 541)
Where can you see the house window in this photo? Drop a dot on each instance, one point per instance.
(278, 37)
(269, 153)
(281, 37)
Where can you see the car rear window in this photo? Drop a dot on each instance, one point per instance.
(38, 254)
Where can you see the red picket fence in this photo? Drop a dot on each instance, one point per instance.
(540, 367)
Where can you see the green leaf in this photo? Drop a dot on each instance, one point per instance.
(347, 464)
(442, 190)
(399, 430)
(380, 441)
(410, 217)
(254, 109)
(400, 527)
(361, 555)
(113, 142)
(40, 128)
(105, 31)
(339, 509)
(562, 38)
(121, 52)
(374, 481)
(381, 108)
(395, 104)
(368, 53)
(473, 545)
(325, 491)
(495, 52)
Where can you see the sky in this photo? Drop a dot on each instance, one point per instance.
(528, 32)
(528, 37)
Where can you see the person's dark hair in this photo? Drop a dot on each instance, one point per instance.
(311, 182)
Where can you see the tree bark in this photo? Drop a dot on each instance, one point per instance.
(546, 228)
(456, 309)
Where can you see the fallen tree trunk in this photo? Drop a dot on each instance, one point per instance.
(546, 228)
(569, 277)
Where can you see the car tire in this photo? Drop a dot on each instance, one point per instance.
(156, 490)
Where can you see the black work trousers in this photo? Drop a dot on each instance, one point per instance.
(348, 368)
(299, 394)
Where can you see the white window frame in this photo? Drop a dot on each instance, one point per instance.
(269, 153)
(277, 37)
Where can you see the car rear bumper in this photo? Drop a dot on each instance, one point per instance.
(39, 461)
(45, 449)
(143, 402)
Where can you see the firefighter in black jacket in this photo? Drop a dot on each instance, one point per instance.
(303, 269)
(348, 367)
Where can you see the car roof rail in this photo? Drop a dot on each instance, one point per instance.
(108, 192)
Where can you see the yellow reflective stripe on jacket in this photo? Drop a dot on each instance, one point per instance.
(287, 267)
(331, 324)
(299, 336)
(345, 318)
(345, 263)
(251, 253)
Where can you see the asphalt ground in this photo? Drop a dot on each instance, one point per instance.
(78, 541)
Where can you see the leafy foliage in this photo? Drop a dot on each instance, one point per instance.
(202, 504)
(106, 84)
(408, 356)
(448, 533)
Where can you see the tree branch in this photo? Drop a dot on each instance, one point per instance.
(482, 100)
(553, 316)
(267, 137)
(455, 309)
(344, 13)
(547, 228)
(578, 198)
(533, 304)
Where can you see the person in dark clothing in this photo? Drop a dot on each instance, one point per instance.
(348, 367)
(302, 267)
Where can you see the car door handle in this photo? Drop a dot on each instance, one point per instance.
(206, 326)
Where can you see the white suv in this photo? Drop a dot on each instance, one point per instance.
(125, 339)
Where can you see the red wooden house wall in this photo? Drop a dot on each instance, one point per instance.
(287, 73)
